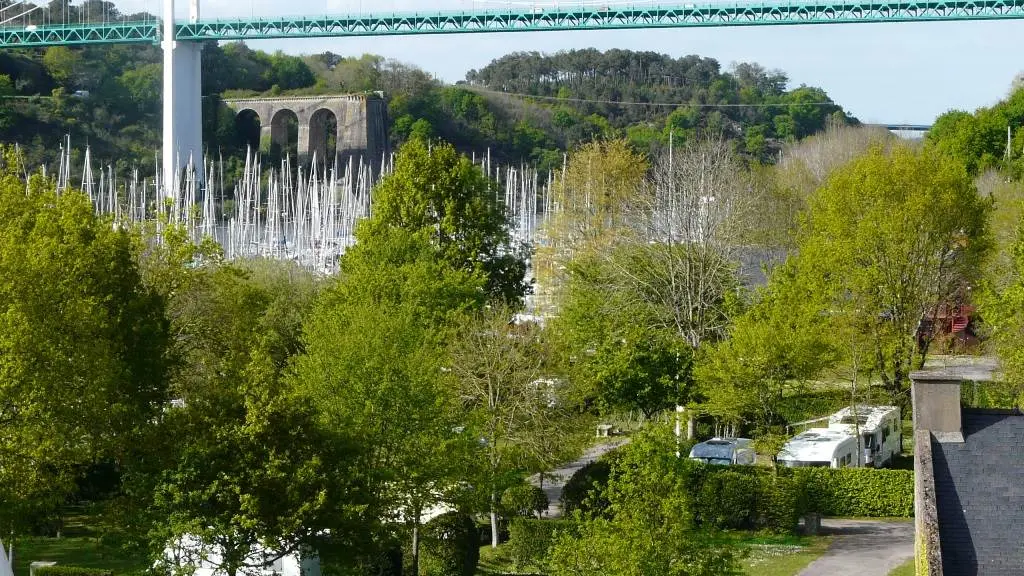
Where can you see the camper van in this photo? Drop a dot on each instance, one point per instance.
(879, 428)
(725, 451)
(822, 447)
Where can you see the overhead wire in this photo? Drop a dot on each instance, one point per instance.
(635, 103)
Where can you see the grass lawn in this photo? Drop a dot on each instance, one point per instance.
(904, 570)
(782, 555)
(80, 546)
(82, 551)
(769, 555)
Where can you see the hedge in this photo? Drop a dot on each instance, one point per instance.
(577, 490)
(530, 539)
(59, 570)
(524, 500)
(450, 546)
(858, 492)
(754, 497)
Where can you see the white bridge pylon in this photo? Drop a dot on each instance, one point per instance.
(183, 104)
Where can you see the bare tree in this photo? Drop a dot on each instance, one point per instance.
(499, 367)
(689, 221)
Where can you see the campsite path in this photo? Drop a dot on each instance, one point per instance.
(863, 548)
(555, 480)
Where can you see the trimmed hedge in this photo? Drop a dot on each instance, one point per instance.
(592, 477)
(530, 539)
(450, 546)
(754, 497)
(863, 492)
(59, 570)
(524, 500)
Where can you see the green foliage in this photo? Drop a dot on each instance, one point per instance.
(859, 492)
(530, 539)
(525, 500)
(584, 488)
(83, 364)
(61, 570)
(889, 237)
(436, 191)
(244, 462)
(648, 525)
(451, 546)
(373, 368)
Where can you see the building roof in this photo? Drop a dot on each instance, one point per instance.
(868, 417)
(814, 445)
(979, 494)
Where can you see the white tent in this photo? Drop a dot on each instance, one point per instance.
(6, 560)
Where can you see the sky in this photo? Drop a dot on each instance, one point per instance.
(881, 73)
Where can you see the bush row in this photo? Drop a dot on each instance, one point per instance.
(59, 570)
(754, 497)
(862, 492)
(530, 539)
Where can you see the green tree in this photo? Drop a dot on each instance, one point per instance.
(248, 466)
(373, 367)
(648, 527)
(83, 366)
(888, 239)
(63, 64)
(435, 189)
(500, 372)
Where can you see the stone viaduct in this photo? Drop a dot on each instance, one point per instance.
(360, 120)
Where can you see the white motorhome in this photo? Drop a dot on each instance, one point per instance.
(879, 427)
(725, 451)
(822, 447)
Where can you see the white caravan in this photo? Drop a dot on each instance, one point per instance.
(879, 427)
(725, 451)
(823, 447)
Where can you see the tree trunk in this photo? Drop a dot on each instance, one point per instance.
(416, 546)
(494, 519)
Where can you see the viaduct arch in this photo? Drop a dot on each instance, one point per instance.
(360, 125)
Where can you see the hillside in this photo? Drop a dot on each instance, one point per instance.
(524, 107)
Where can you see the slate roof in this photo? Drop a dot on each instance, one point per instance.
(979, 492)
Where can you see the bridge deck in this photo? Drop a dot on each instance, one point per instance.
(638, 15)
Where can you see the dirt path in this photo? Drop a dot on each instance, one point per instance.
(863, 548)
(555, 480)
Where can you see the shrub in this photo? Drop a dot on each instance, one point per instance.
(727, 500)
(530, 539)
(450, 546)
(862, 492)
(71, 571)
(593, 476)
(525, 500)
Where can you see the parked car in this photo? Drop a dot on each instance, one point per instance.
(724, 451)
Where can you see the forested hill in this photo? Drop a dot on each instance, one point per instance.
(525, 107)
(684, 95)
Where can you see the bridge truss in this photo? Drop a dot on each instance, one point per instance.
(638, 15)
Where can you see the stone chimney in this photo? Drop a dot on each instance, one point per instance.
(935, 392)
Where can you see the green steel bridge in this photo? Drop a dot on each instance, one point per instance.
(613, 17)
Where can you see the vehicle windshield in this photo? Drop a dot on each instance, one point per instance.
(799, 464)
(712, 450)
(717, 461)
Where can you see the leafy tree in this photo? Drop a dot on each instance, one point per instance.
(82, 343)
(248, 466)
(888, 239)
(373, 367)
(649, 527)
(499, 369)
(435, 189)
(774, 348)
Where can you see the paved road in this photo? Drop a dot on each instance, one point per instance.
(863, 548)
(555, 480)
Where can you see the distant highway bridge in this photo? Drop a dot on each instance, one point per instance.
(182, 41)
